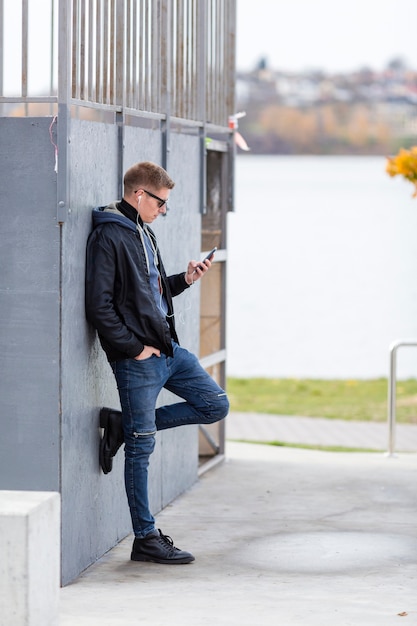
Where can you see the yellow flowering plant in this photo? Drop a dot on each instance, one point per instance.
(404, 164)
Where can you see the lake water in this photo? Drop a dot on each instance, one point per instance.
(322, 268)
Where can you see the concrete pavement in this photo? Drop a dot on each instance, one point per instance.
(281, 536)
(319, 431)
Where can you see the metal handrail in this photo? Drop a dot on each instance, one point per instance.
(392, 390)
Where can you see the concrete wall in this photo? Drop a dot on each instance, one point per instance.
(29, 308)
(53, 375)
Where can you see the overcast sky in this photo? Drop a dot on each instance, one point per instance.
(333, 35)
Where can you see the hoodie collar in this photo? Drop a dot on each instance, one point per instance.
(129, 211)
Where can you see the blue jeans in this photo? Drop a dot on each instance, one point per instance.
(139, 383)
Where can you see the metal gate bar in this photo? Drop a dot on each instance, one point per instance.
(392, 391)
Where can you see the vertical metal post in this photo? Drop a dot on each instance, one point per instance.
(63, 126)
(155, 56)
(189, 59)
(1, 47)
(82, 60)
(98, 89)
(128, 55)
(91, 48)
(392, 389)
(105, 60)
(25, 52)
(64, 96)
(119, 62)
(225, 173)
(230, 55)
(120, 91)
(202, 26)
(166, 42)
(145, 85)
(140, 77)
(179, 60)
(229, 103)
(52, 45)
(74, 42)
(112, 55)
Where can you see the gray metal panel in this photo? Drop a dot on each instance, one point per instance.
(91, 500)
(29, 321)
(141, 144)
(95, 515)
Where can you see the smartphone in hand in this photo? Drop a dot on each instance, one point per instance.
(208, 257)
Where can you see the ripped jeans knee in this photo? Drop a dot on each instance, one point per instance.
(217, 408)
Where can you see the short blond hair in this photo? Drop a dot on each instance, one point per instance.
(146, 174)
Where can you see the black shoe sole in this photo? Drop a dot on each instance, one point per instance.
(148, 559)
(106, 463)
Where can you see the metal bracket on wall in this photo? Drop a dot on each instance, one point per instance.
(62, 209)
(203, 170)
(120, 150)
(166, 140)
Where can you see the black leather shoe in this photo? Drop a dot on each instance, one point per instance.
(159, 548)
(112, 439)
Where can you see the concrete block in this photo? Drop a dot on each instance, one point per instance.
(30, 558)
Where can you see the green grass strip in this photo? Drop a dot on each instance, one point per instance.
(363, 400)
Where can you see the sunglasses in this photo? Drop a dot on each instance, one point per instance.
(161, 202)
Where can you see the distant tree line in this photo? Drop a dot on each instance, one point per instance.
(320, 129)
(352, 121)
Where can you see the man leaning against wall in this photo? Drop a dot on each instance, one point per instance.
(129, 301)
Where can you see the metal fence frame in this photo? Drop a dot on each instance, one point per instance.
(166, 57)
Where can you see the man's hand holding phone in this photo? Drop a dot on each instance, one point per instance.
(195, 269)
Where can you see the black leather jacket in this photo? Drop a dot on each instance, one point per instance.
(118, 295)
